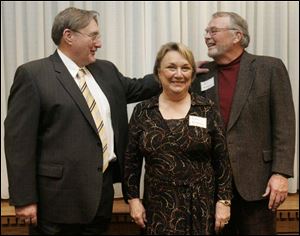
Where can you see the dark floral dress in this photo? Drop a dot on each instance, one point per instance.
(186, 167)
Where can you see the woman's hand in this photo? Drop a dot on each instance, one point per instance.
(137, 212)
(222, 216)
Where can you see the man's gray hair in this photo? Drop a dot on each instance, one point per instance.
(237, 22)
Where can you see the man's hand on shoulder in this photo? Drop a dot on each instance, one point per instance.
(199, 69)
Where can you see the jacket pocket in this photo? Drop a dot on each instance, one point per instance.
(267, 155)
(54, 171)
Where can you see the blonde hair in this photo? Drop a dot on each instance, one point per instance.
(178, 47)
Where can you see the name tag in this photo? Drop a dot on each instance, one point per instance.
(207, 84)
(197, 121)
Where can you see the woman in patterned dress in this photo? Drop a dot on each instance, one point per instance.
(187, 183)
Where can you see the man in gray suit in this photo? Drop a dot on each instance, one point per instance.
(53, 148)
(254, 96)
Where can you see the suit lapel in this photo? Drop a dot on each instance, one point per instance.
(66, 80)
(243, 86)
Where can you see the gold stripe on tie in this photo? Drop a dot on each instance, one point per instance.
(95, 114)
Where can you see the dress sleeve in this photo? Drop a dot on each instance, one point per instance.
(220, 158)
(133, 157)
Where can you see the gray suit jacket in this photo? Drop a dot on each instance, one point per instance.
(53, 151)
(261, 127)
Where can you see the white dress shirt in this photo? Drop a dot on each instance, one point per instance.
(99, 96)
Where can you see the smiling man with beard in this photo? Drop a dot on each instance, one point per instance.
(253, 94)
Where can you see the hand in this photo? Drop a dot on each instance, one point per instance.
(222, 216)
(27, 213)
(277, 188)
(200, 70)
(137, 212)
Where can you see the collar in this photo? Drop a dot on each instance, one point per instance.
(197, 100)
(71, 65)
(234, 62)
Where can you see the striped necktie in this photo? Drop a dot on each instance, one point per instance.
(95, 114)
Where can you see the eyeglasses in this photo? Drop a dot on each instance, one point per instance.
(213, 31)
(94, 36)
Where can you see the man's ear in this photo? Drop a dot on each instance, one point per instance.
(67, 36)
(238, 37)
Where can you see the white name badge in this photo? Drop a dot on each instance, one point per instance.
(197, 121)
(207, 84)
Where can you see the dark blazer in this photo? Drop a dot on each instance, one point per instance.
(53, 151)
(261, 127)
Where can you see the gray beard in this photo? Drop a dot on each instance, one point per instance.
(216, 52)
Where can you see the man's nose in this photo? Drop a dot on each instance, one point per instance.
(98, 43)
(207, 35)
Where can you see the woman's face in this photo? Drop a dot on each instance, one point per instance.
(175, 73)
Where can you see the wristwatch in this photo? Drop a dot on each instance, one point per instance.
(225, 202)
